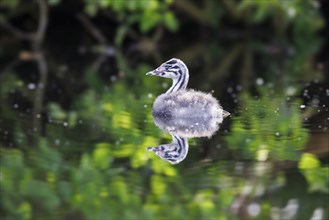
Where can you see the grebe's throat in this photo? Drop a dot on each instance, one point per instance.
(181, 80)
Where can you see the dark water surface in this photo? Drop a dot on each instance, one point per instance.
(269, 159)
(75, 125)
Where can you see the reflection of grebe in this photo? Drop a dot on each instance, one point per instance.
(183, 112)
(179, 102)
(174, 152)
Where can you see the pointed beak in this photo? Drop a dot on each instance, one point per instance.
(156, 150)
(151, 149)
(156, 72)
(153, 73)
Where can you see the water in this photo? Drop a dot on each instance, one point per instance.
(74, 138)
(267, 160)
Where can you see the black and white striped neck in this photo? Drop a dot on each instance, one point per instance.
(174, 69)
(174, 152)
(181, 80)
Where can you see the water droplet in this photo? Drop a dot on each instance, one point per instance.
(229, 90)
(150, 95)
(57, 141)
(145, 106)
(65, 124)
(164, 85)
(254, 209)
(259, 81)
(291, 12)
(302, 106)
(38, 116)
(31, 86)
(15, 105)
(277, 134)
(291, 91)
(113, 78)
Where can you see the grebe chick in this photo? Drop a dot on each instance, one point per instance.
(179, 102)
(183, 112)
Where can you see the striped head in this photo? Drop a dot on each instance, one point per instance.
(175, 152)
(174, 69)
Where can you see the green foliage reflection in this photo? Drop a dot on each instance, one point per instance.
(268, 127)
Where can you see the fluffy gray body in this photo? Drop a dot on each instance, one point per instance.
(187, 104)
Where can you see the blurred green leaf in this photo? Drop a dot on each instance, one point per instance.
(308, 161)
(149, 20)
(170, 21)
(56, 111)
(102, 156)
(25, 210)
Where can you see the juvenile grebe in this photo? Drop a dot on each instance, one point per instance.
(179, 102)
(183, 112)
